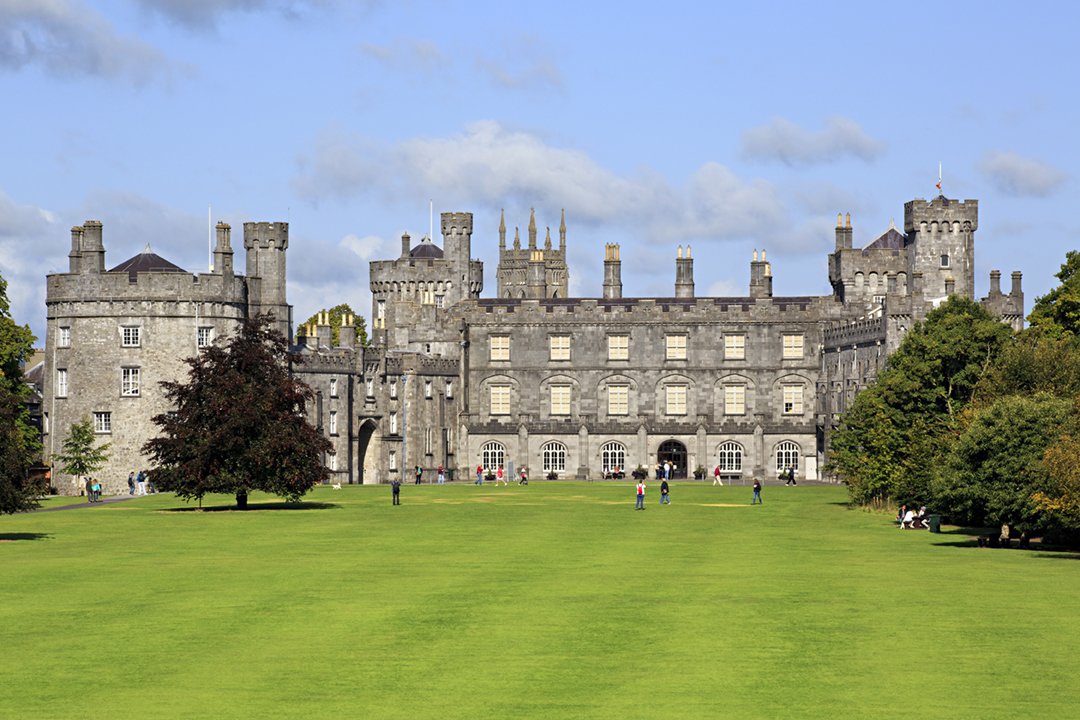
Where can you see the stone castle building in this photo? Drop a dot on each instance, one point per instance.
(566, 386)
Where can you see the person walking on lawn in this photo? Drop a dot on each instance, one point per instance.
(757, 492)
(664, 493)
(442, 479)
(396, 486)
(716, 477)
(479, 475)
(640, 495)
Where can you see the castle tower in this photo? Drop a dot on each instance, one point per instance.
(537, 281)
(266, 244)
(457, 231)
(612, 272)
(940, 240)
(760, 277)
(684, 274)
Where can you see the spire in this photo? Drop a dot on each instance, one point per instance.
(547, 242)
(517, 239)
(502, 229)
(562, 231)
(147, 250)
(532, 228)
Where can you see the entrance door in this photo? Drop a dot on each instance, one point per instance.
(673, 452)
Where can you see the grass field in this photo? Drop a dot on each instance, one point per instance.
(556, 600)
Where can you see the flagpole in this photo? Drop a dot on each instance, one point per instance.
(209, 238)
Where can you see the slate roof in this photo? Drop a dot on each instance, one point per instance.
(426, 249)
(146, 261)
(891, 239)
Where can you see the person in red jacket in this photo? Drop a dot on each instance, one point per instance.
(479, 475)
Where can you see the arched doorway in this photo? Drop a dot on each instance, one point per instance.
(368, 447)
(674, 452)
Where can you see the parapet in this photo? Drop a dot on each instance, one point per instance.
(941, 209)
(457, 222)
(266, 235)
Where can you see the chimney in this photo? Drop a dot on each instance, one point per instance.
(1016, 293)
(93, 252)
(76, 249)
(995, 283)
(324, 332)
(405, 246)
(347, 332)
(311, 342)
(684, 274)
(760, 277)
(843, 231)
(612, 272)
(223, 254)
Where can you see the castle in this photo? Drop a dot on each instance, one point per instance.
(568, 387)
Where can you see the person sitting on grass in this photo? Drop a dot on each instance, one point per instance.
(908, 520)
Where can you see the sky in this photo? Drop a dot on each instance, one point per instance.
(729, 127)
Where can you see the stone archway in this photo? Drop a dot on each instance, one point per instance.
(674, 452)
(368, 447)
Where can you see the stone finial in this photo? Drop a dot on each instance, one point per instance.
(547, 240)
(502, 228)
(562, 229)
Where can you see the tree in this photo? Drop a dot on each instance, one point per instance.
(17, 493)
(996, 465)
(1036, 361)
(1059, 499)
(336, 314)
(80, 456)
(239, 424)
(889, 441)
(1058, 311)
(16, 344)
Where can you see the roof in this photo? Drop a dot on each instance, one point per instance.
(891, 239)
(147, 261)
(35, 374)
(426, 249)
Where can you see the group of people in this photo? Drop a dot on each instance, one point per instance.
(910, 519)
(499, 477)
(137, 483)
(93, 489)
(665, 471)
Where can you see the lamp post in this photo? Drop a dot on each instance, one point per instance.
(404, 428)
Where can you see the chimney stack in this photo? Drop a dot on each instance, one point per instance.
(684, 274)
(612, 272)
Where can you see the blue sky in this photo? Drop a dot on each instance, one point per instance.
(726, 126)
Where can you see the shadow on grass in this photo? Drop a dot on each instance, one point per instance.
(255, 507)
(16, 537)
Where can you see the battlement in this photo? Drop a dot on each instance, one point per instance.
(941, 210)
(704, 309)
(856, 332)
(107, 287)
(453, 223)
(266, 235)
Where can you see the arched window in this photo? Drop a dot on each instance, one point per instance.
(613, 455)
(730, 458)
(787, 453)
(492, 456)
(554, 454)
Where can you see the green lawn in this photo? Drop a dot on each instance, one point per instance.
(555, 600)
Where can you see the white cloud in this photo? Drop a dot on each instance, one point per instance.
(526, 64)
(200, 14)
(69, 39)
(1014, 174)
(793, 144)
(491, 166)
(408, 54)
(726, 288)
(27, 252)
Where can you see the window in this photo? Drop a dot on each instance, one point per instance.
(380, 309)
(331, 461)
(427, 388)
(500, 399)
(500, 347)
(440, 301)
(102, 422)
(129, 381)
(613, 455)
(427, 348)
(131, 336)
(393, 389)
(618, 347)
(492, 456)
(730, 457)
(618, 399)
(333, 387)
(428, 435)
(393, 423)
(735, 347)
(64, 337)
(793, 399)
(793, 346)
(370, 387)
(787, 453)
(560, 399)
(45, 423)
(204, 337)
(734, 399)
(945, 261)
(560, 347)
(676, 347)
(333, 422)
(554, 454)
(61, 383)
(427, 297)
(676, 399)
(393, 461)
(449, 388)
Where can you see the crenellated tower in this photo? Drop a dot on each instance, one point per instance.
(266, 244)
(940, 240)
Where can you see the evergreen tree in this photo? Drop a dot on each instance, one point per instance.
(80, 456)
(336, 314)
(238, 424)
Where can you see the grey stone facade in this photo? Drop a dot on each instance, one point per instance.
(569, 386)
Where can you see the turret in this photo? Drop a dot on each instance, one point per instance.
(537, 275)
(266, 244)
(684, 274)
(612, 272)
(457, 246)
(760, 277)
(940, 237)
